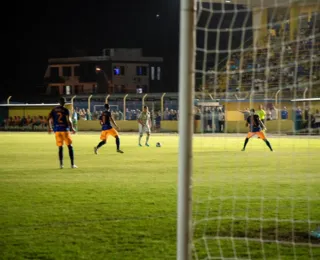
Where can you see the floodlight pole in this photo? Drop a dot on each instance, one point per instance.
(107, 97)
(276, 98)
(162, 106)
(125, 106)
(72, 100)
(186, 96)
(89, 103)
(304, 103)
(143, 98)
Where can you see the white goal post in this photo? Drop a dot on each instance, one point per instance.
(187, 49)
(271, 51)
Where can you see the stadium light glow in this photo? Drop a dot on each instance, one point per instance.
(98, 69)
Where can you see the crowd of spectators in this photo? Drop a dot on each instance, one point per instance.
(303, 118)
(212, 118)
(294, 64)
(25, 122)
(276, 63)
(270, 112)
(306, 119)
(130, 114)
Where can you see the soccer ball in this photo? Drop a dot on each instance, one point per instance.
(158, 144)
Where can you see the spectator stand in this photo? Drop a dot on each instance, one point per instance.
(305, 112)
(133, 104)
(300, 62)
(24, 117)
(154, 101)
(171, 107)
(211, 115)
(284, 114)
(117, 104)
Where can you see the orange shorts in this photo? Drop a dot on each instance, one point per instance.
(105, 133)
(259, 134)
(63, 137)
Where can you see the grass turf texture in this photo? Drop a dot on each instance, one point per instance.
(123, 206)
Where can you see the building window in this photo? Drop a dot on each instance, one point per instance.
(66, 71)
(54, 72)
(152, 73)
(118, 70)
(78, 89)
(158, 73)
(77, 71)
(142, 71)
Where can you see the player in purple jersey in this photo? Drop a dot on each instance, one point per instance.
(62, 125)
(107, 129)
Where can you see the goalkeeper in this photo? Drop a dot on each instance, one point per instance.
(256, 127)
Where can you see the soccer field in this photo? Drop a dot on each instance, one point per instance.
(123, 206)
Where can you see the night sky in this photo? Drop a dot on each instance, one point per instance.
(34, 31)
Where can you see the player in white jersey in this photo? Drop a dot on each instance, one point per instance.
(144, 121)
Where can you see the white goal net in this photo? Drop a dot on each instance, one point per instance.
(257, 204)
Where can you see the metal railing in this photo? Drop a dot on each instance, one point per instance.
(169, 101)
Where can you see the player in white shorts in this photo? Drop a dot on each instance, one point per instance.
(144, 121)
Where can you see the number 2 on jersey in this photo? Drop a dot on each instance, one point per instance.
(60, 115)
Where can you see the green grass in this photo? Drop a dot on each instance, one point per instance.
(123, 206)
